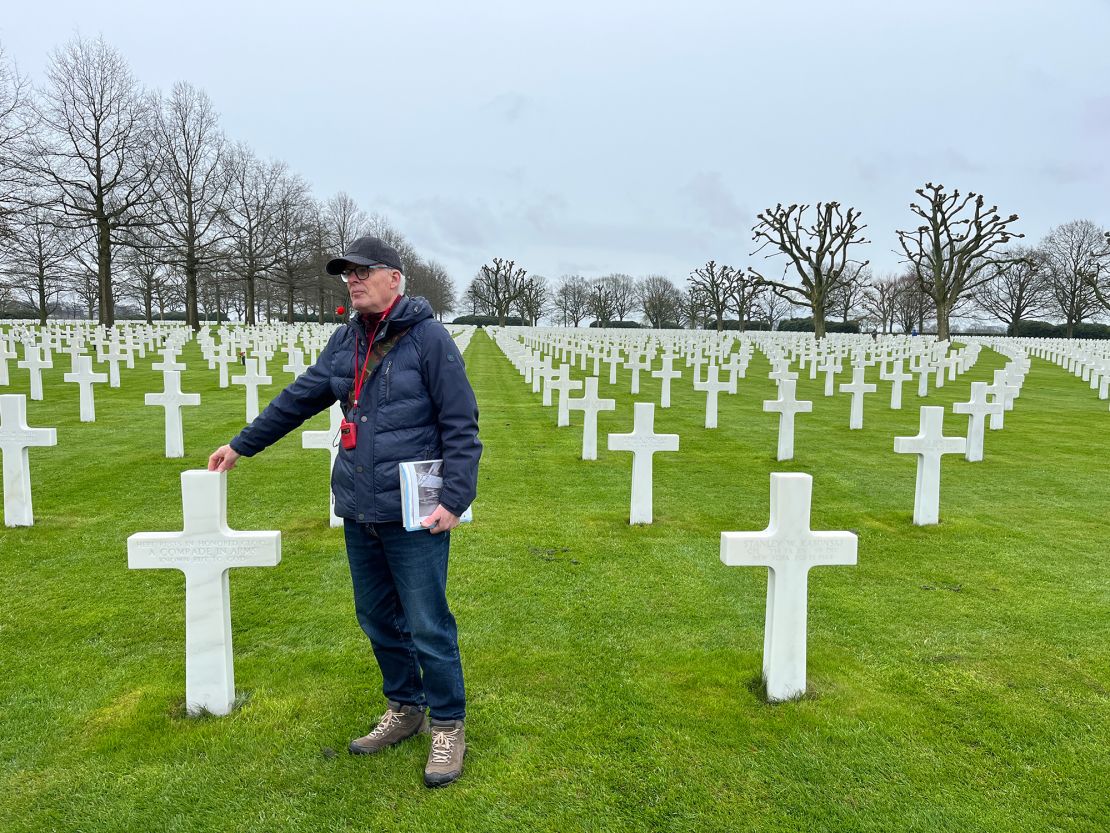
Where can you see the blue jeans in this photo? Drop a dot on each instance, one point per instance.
(400, 583)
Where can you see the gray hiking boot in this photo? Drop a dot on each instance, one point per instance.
(398, 722)
(445, 760)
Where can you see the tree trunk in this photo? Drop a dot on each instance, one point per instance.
(249, 298)
(192, 316)
(942, 323)
(818, 323)
(42, 294)
(289, 312)
(107, 315)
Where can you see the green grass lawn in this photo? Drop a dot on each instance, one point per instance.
(959, 675)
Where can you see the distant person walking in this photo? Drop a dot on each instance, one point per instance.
(405, 397)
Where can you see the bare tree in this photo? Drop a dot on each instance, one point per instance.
(713, 284)
(192, 187)
(249, 220)
(34, 260)
(912, 306)
(294, 224)
(847, 299)
(1017, 289)
(693, 311)
(145, 275)
(600, 303)
(98, 149)
(818, 253)
(622, 292)
(429, 279)
(498, 285)
(534, 301)
(660, 300)
(16, 122)
(344, 221)
(1072, 252)
(880, 301)
(572, 297)
(743, 293)
(950, 252)
(772, 308)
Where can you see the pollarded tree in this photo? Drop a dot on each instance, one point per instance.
(98, 149)
(951, 251)
(497, 286)
(818, 253)
(660, 300)
(1016, 290)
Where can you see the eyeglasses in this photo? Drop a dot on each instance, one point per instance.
(358, 272)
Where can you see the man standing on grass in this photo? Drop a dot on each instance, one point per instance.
(405, 397)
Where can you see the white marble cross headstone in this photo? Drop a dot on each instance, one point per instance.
(85, 378)
(977, 408)
(643, 442)
(330, 440)
(6, 354)
(896, 377)
(712, 386)
(789, 549)
(786, 406)
(858, 387)
(929, 444)
(172, 399)
(666, 373)
(35, 362)
(15, 438)
(589, 404)
(252, 380)
(564, 384)
(204, 552)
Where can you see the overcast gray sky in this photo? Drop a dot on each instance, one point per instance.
(638, 137)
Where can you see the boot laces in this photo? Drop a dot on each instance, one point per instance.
(442, 743)
(388, 721)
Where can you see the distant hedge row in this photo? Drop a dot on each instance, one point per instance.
(1045, 329)
(734, 324)
(805, 325)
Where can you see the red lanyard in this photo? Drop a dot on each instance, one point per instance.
(360, 375)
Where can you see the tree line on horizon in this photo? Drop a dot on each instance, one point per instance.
(958, 265)
(114, 197)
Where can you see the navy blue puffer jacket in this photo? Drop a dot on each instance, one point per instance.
(417, 404)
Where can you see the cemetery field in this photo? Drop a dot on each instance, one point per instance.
(959, 675)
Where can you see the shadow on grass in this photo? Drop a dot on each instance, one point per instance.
(179, 711)
(758, 686)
